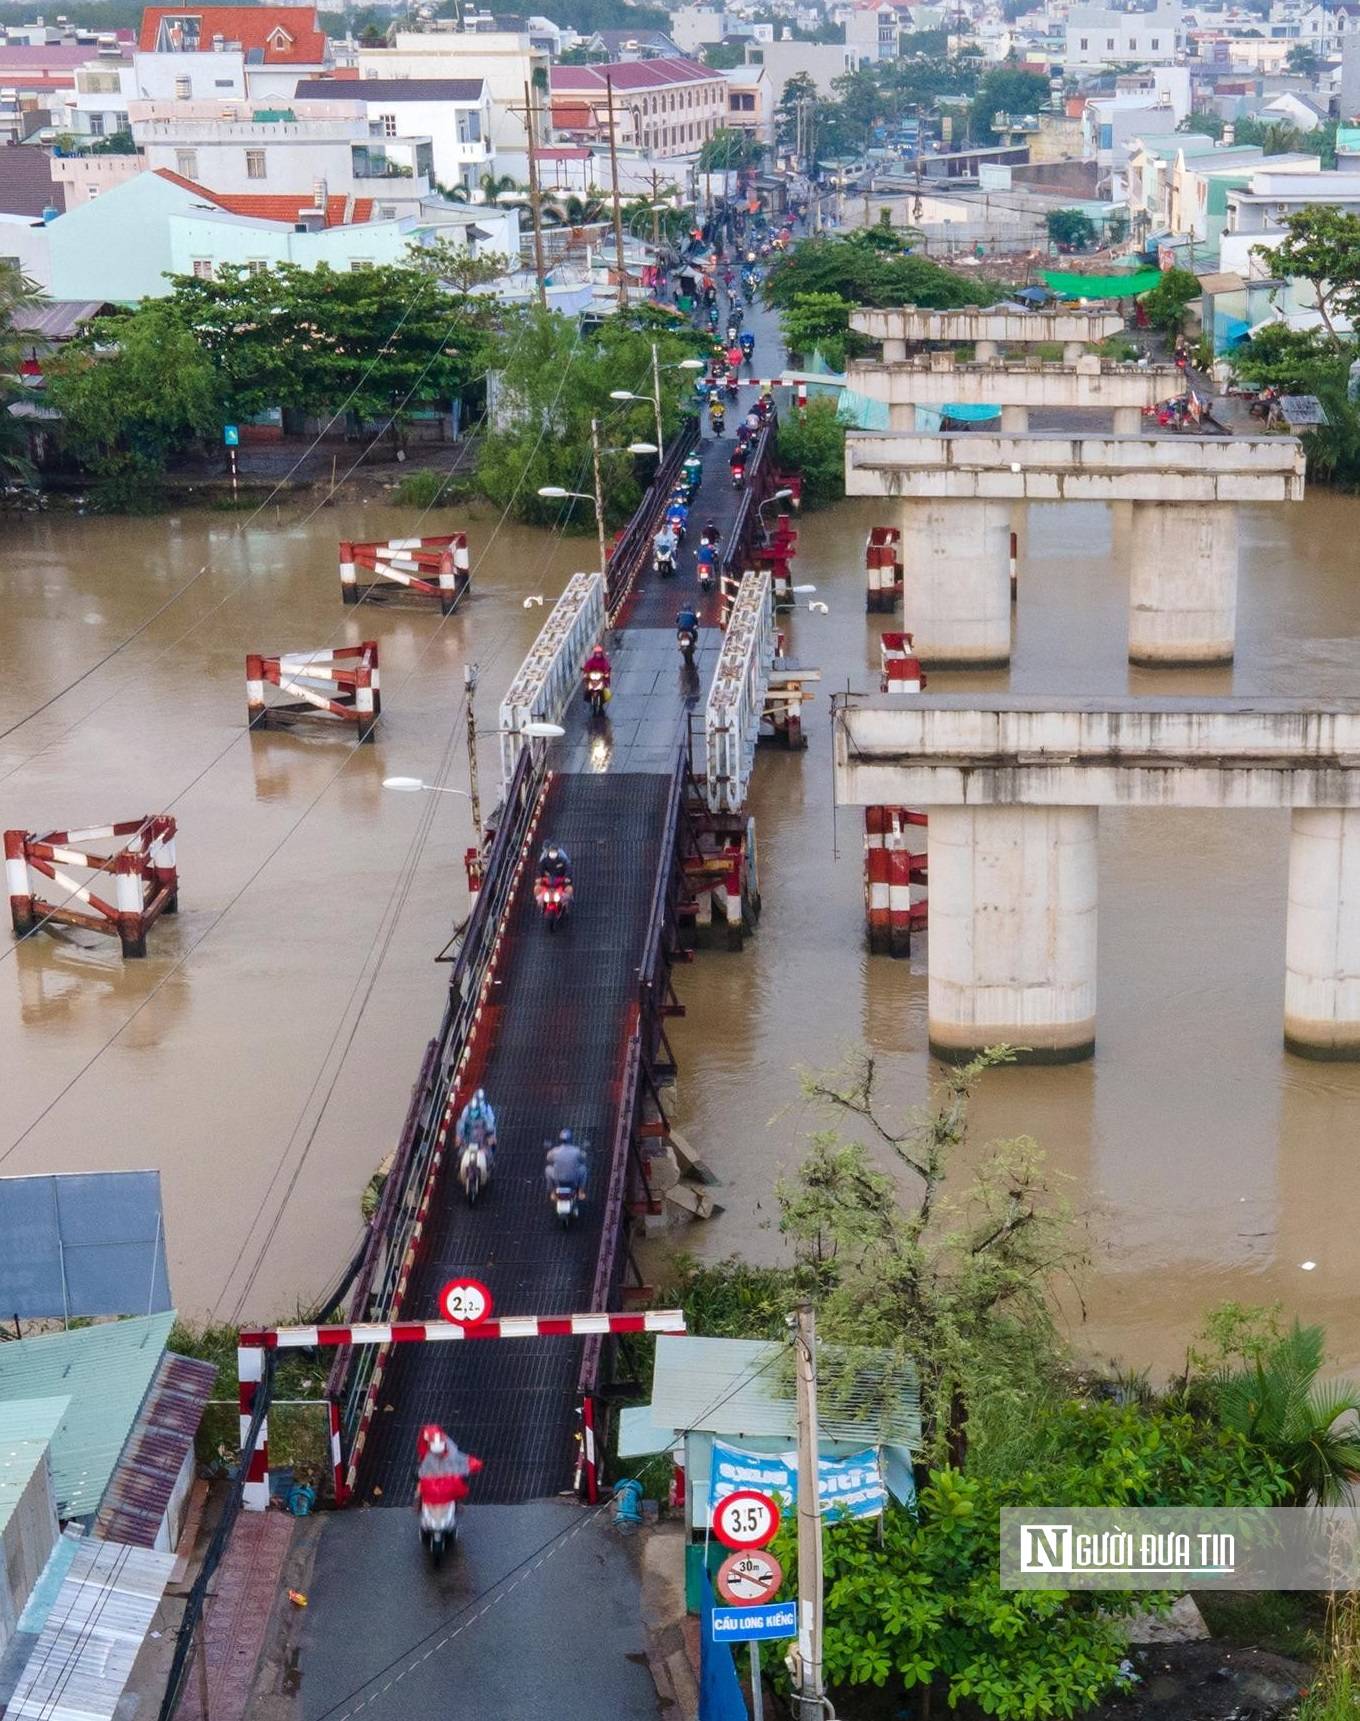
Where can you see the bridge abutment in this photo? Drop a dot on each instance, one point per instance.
(1322, 934)
(1013, 931)
(956, 556)
(1183, 584)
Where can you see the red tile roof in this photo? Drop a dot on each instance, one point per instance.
(630, 75)
(340, 211)
(254, 27)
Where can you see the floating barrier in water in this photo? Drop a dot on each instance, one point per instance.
(883, 565)
(141, 868)
(338, 684)
(436, 568)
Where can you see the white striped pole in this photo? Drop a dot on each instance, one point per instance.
(450, 1332)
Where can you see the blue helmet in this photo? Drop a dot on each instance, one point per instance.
(566, 1139)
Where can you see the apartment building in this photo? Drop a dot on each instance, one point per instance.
(665, 108)
(1096, 36)
(453, 113)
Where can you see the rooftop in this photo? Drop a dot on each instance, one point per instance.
(26, 1430)
(630, 75)
(26, 183)
(392, 89)
(279, 35)
(340, 211)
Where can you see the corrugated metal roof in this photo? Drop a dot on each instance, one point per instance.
(140, 1488)
(738, 1387)
(91, 1636)
(26, 1429)
(56, 319)
(105, 1370)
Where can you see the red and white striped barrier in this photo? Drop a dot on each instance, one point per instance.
(774, 554)
(1014, 568)
(883, 566)
(901, 670)
(891, 870)
(336, 683)
(253, 1342)
(142, 866)
(423, 567)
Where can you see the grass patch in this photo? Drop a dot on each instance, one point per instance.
(299, 1435)
(423, 488)
(1289, 1622)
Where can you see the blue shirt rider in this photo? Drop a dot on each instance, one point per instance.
(685, 618)
(565, 1166)
(747, 343)
(477, 1121)
(663, 544)
(677, 514)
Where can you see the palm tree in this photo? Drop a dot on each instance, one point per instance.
(494, 186)
(17, 293)
(1277, 1403)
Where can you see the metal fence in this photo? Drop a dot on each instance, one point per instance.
(633, 547)
(548, 676)
(737, 696)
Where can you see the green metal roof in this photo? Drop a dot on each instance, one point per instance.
(104, 1370)
(26, 1429)
(1348, 138)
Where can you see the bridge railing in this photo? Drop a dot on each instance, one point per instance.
(736, 698)
(406, 1191)
(746, 524)
(642, 1025)
(550, 674)
(633, 547)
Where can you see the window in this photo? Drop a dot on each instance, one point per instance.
(91, 191)
(183, 89)
(1083, 44)
(186, 163)
(202, 268)
(1133, 44)
(256, 265)
(255, 164)
(96, 125)
(388, 211)
(389, 124)
(1109, 41)
(358, 263)
(223, 84)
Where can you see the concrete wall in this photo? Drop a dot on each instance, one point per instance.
(25, 240)
(29, 1536)
(1009, 328)
(823, 62)
(91, 256)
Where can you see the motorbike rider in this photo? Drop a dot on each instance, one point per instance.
(717, 415)
(737, 465)
(440, 1457)
(597, 664)
(554, 864)
(477, 1119)
(733, 355)
(694, 471)
(565, 1166)
(677, 517)
(663, 544)
(686, 620)
(747, 344)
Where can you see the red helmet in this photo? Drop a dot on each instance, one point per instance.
(433, 1439)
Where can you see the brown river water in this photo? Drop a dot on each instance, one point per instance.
(262, 1055)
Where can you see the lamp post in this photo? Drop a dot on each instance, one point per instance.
(556, 492)
(655, 395)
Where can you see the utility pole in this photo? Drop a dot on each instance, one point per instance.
(534, 208)
(470, 684)
(618, 224)
(656, 217)
(599, 490)
(656, 402)
(809, 1703)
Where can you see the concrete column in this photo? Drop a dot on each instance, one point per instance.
(1015, 420)
(1322, 936)
(894, 352)
(957, 596)
(1183, 584)
(1012, 952)
(986, 352)
(1072, 351)
(1128, 421)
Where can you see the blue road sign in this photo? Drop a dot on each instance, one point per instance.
(231, 435)
(743, 1624)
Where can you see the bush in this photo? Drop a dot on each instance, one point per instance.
(1165, 303)
(814, 445)
(422, 489)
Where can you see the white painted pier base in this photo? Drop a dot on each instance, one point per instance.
(957, 582)
(1013, 931)
(1322, 934)
(1183, 584)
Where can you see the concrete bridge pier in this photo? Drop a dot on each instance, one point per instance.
(1072, 351)
(957, 593)
(1013, 931)
(986, 352)
(1014, 419)
(1183, 584)
(1128, 420)
(1322, 934)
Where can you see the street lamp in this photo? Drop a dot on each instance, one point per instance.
(655, 396)
(555, 492)
(779, 496)
(409, 785)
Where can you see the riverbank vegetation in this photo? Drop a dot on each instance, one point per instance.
(944, 1258)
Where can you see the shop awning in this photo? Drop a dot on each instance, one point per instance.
(1102, 286)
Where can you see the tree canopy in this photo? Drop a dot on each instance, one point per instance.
(1322, 247)
(857, 268)
(17, 293)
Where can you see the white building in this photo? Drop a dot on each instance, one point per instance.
(454, 113)
(694, 27)
(266, 152)
(507, 62)
(224, 52)
(750, 102)
(665, 108)
(1097, 36)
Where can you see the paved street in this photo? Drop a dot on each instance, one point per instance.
(515, 1624)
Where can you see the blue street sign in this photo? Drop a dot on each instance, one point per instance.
(231, 435)
(744, 1624)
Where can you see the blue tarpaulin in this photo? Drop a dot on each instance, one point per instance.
(847, 1487)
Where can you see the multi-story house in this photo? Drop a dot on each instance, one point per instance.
(1097, 36)
(224, 52)
(663, 107)
(453, 113)
(750, 102)
(506, 61)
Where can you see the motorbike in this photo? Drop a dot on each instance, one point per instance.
(716, 416)
(439, 1515)
(687, 638)
(738, 475)
(566, 1199)
(474, 1167)
(553, 896)
(706, 576)
(663, 564)
(677, 526)
(597, 692)
(730, 386)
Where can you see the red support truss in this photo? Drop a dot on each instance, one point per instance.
(335, 684)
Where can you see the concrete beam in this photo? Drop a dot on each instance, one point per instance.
(1049, 467)
(1005, 328)
(1088, 384)
(1009, 750)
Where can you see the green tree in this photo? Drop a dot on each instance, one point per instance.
(1206, 121)
(496, 186)
(813, 444)
(1276, 1402)
(1296, 361)
(1070, 229)
(1006, 89)
(17, 294)
(861, 103)
(1322, 247)
(1165, 303)
(132, 391)
(457, 266)
(818, 322)
(729, 150)
(723, 56)
(1302, 60)
(858, 268)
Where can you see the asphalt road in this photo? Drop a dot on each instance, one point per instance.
(536, 1614)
